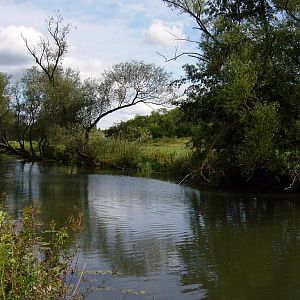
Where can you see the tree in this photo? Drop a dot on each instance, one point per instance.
(55, 108)
(34, 108)
(125, 85)
(48, 107)
(6, 118)
(50, 50)
(161, 123)
(245, 88)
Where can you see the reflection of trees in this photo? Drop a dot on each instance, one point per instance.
(60, 194)
(237, 249)
(27, 183)
(18, 184)
(129, 246)
(4, 160)
(243, 249)
(129, 257)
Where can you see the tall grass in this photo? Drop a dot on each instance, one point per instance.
(165, 154)
(160, 155)
(110, 152)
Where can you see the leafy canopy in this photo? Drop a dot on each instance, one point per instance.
(245, 88)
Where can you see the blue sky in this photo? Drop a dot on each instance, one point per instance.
(103, 33)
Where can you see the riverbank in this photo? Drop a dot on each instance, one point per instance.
(153, 158)
(166, 154)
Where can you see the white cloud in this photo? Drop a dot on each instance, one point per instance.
(139, 109)
(87, 67)
(19, 14)
(103, 33)
(126, 114)
(13, 53)
(164, 33)
(132, 8)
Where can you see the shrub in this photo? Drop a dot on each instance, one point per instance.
(31, 266)
(112, 152)
(144, 167)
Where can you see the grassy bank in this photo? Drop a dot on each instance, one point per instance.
(157, 155)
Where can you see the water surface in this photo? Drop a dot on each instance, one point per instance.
(168, 241)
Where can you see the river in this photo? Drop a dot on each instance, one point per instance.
(167, 241)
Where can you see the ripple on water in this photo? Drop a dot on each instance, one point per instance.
(165, 239)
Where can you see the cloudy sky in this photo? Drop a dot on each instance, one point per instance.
(104, 32)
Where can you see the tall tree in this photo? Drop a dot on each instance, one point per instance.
(6, 118)
(54, 106)
(52, 47)
(245, 88)
(125, 85)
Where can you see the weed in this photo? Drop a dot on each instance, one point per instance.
(31, 266)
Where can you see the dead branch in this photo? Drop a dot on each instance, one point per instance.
(48, 56)
(183, 6)
(176, 56)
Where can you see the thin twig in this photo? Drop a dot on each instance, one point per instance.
(79, 281)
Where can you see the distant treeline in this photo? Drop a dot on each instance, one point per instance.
(159, 124)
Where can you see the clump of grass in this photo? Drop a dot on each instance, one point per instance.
(157, 155)
(31, 266)
(110, 152)
(166, 154)
(144, 167)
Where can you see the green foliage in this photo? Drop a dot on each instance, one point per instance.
(6, 117)
(32, 267)
(111, 152)
(159, 124)
(164, 155)
(160, 155)
(64, 142)
(240, 79)
(51, 112)
(257, 150)
(59, 114)
(245, 88)
(144, 167)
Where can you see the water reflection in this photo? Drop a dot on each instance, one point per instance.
(244, 248)
(136, 222)
(26, 183)
(171, 241)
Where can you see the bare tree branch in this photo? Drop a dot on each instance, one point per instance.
(176, 56)
(177, 38)
(196, 11)
(185, 7)
(48, 56)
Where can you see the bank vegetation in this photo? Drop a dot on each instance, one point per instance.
(241, 106)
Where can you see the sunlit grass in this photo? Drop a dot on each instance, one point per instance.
(164, 154)
(156, 155)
